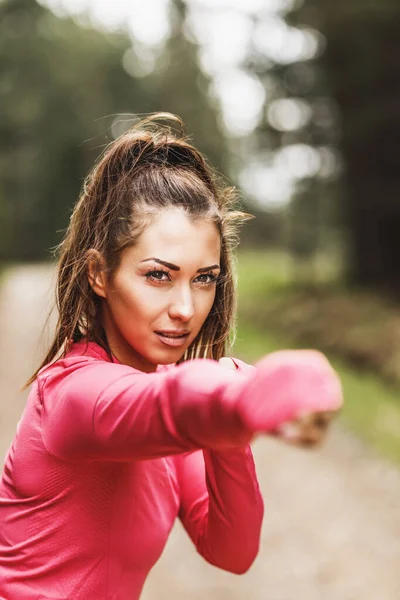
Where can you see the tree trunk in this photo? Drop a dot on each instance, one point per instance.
(362, 61)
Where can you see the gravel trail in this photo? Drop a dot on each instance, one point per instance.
(332, 516)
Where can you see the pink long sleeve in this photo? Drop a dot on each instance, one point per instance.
(107, 411)
(106, 457)
(221, 506)
(100, 410)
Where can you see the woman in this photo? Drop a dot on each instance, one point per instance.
(131, 421)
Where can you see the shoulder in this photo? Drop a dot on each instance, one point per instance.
(82, 376)
(241, 365)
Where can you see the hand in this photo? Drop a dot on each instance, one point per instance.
(293, 394)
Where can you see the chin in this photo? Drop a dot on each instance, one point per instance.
(169, 360)
(168, 357)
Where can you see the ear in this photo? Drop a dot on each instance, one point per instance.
(97, 276)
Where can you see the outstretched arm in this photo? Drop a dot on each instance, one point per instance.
(104, 411)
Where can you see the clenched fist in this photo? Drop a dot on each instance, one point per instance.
(292, 394)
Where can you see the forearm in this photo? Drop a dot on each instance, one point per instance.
(229, 524)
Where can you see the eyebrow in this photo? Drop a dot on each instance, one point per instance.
(176, 268)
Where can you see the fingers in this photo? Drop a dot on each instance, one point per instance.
(307, 431)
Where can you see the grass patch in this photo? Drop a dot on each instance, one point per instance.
(359, 326)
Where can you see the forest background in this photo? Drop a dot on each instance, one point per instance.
(296, 103)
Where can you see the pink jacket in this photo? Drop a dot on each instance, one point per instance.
(104, 460)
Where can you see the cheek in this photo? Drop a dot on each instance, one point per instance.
(133, 299)
(147, 304)
(205, 305)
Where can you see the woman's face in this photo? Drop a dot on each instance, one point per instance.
(162, 291)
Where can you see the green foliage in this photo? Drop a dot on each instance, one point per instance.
(179, 86)
(351, 90)
(359, 326)
(57, 80)
(62, 86)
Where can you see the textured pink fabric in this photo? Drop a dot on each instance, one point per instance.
(104, 460)
(106, 457)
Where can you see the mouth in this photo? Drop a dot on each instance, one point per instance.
(173, 339)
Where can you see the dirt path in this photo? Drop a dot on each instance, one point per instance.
(332, 517)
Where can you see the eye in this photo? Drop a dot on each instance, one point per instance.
(206, 278)
(157, 275)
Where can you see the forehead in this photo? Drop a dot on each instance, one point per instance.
(177, 238)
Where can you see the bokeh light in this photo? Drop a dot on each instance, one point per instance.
(289, 114)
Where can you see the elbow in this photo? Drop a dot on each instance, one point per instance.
(245, 556)
(239, 563)
(237, 551)
(243, 565)
(238, 568)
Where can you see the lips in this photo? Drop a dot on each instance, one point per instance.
(173, 338)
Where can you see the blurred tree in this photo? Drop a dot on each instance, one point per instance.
(296, 134)
(362, 62)
(178, 85)
(57, 79)
(61, 90)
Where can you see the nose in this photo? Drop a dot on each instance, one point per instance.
(182, 305)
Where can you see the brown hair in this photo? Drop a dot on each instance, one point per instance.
(145, 170)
